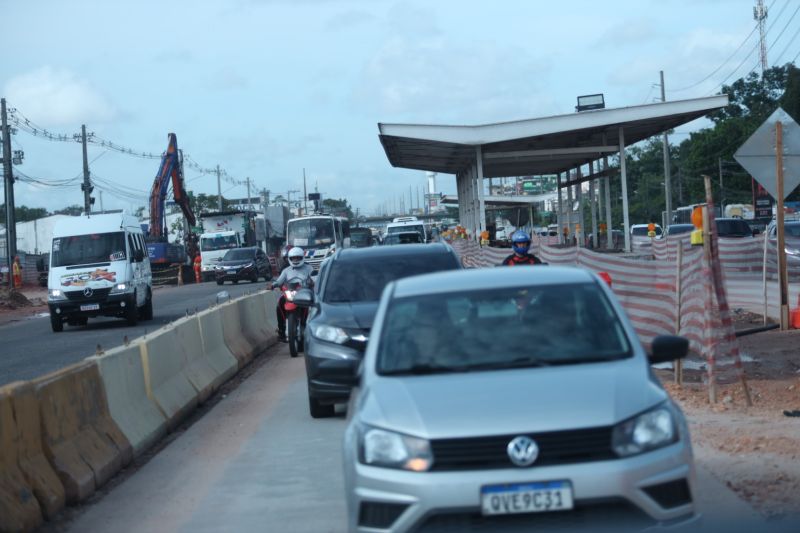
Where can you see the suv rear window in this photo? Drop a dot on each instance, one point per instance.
(364, 280)
(733, 228)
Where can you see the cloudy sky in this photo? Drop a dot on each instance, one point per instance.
(265, 88)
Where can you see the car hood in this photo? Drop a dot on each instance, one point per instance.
(510, 401)
(357, 315)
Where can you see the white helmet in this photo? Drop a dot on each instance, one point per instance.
(296, 256)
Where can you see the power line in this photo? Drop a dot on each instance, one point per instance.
(796, 33)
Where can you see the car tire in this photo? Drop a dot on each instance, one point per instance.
(220, 282)
(320, 410)
(254, 279)
(132, 312)
(235, 281)
(56, 323)
(147, 310)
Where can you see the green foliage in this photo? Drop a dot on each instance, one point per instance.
(337, 206)
(23, 213)
(206, 203)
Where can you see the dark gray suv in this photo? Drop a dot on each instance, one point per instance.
(343, 308)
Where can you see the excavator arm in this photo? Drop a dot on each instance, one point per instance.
(170, 168)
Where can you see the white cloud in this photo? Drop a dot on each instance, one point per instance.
(435, 80)
(56, 97)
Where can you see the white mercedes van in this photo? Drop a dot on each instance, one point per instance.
(99, 267)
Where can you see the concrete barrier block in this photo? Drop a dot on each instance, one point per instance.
(215, 350)
(19, 509)
(136, 414)
(233, 332)
(166, 380)
(253, 318)
(270, 302)
(198, 369)
(41, 477)
(79, 437)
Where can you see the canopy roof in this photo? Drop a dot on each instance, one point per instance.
(536, 146)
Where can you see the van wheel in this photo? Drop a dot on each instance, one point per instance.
(56, 323)
(147, 310)
(131, 312)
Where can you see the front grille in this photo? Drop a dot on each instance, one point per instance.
(379, 515)
(670, 494)
(98, 295)
(555, 447)
(606, 515)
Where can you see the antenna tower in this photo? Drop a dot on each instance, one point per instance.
(760, 15)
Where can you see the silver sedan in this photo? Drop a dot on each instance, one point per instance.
(490, 400)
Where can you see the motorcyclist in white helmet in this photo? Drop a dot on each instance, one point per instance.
(297, 269)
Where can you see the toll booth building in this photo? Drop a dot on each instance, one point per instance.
(575, 147)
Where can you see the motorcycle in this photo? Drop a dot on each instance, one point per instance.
(295, 317)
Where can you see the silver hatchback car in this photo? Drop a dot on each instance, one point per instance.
(520, 399)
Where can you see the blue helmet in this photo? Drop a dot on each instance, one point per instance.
(520, 242)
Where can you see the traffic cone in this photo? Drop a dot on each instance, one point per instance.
(794, 315)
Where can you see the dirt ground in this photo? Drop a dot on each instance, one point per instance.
(21, 304)
(753, 450)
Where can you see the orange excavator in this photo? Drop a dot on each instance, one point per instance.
(171, 169)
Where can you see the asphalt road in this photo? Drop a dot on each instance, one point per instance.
(258, 462)
(29, 348)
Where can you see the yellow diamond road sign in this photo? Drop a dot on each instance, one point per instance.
(757, 154)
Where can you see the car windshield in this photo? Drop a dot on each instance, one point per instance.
(238, 255)
(403, 238)
(89, 249)
(680, 228)
(419, 228)
(733, 228)
(359, 237)
(641, 231)
(311, 232)
(364, 280)
(218, 242)
(500, 328)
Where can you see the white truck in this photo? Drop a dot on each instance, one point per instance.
(98, 267)
(221, 232)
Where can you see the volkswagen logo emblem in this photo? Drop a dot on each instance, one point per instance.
(522, 451)
(87, 292)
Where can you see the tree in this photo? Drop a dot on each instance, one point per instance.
(23, 213)
(72, 210)
(338, 207)
(206, 203)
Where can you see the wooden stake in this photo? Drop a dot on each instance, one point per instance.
(783, 280)
(712, 365)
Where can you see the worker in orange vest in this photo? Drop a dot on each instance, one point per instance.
(197, 264)
(17, 271)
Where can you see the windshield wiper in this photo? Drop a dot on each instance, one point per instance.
(422, 369)
(519, 362)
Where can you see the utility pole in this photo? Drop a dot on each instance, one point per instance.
(760, 16)
(8, 180)
(249, 207)
(86, 186)
(305, 194)
(219, 191)
(101, 201)
(721, 199)
(667, 170)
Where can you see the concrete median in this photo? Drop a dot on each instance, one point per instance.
(256, 326)
(233, 332)
(215, 350)
(198, 369)
(136, 414)
(166, 377)
(19, 509)
(80, 439)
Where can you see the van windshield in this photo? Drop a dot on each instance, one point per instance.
(89, 249)
(311, 232)
(219, 242)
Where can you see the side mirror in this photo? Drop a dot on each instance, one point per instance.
(667, 348)
(304, 298)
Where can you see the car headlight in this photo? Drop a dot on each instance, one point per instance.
(792, 251)
(379, 447)
(248, 265)
(654, 429)
(119, 288)
(56, 294)
(330, 334)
